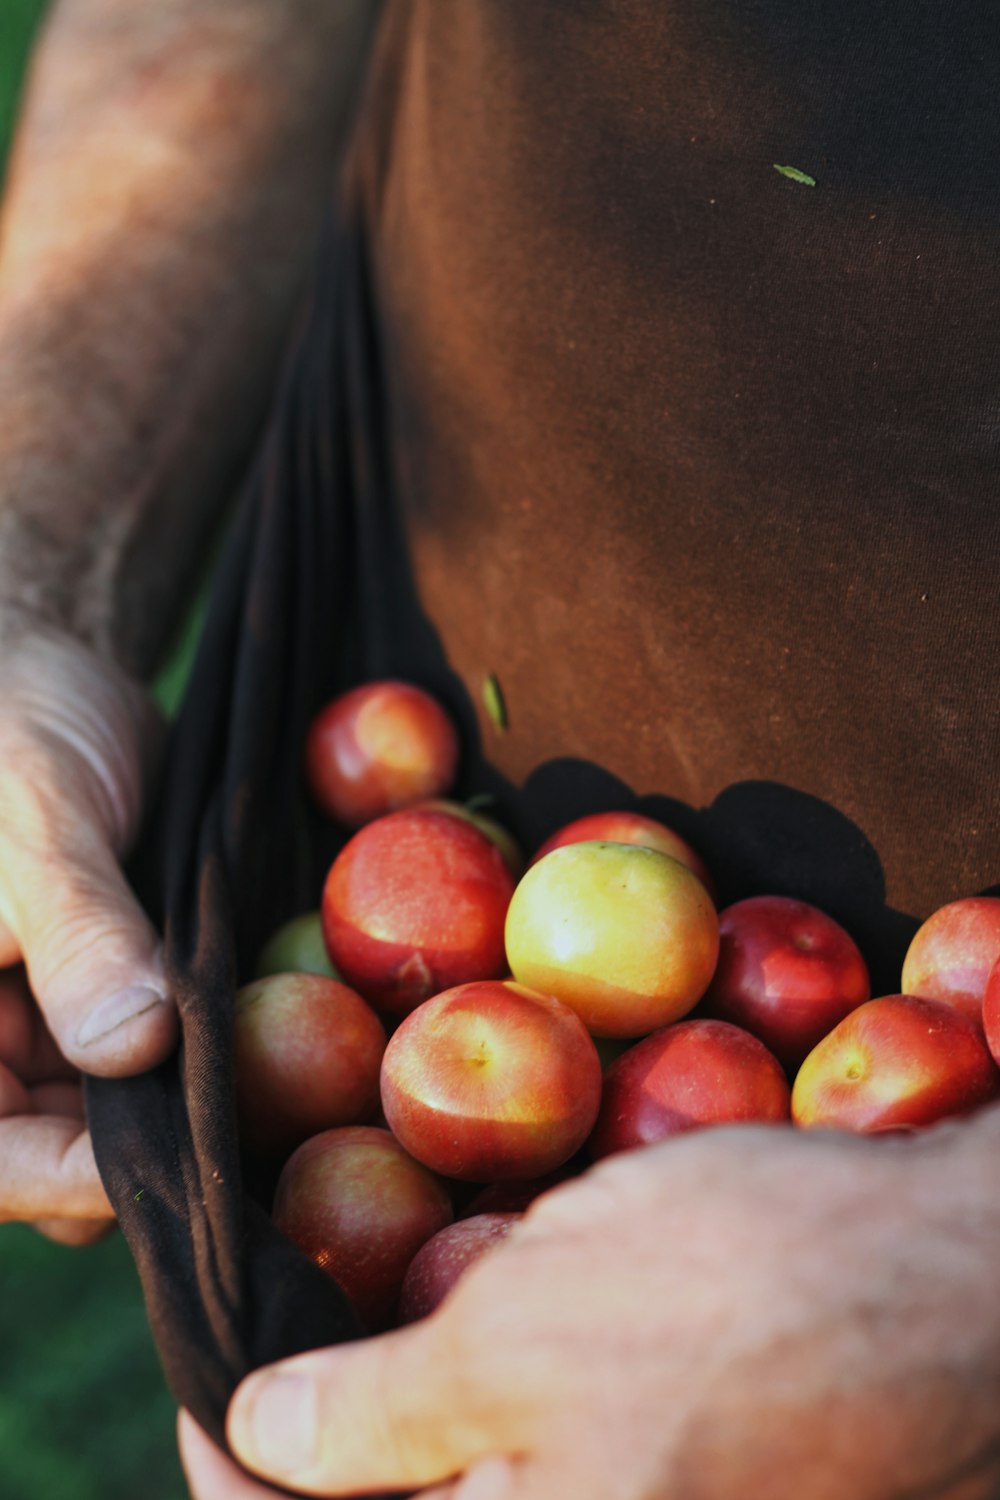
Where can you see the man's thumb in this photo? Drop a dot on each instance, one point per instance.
(94, 960)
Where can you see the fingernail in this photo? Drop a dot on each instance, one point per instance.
(113, 1012)
(282, 1424)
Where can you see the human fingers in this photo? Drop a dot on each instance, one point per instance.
(93, 958)
(77, 744)
(65, 1100)
(74, 1233)
(394, 1412)
(27, 1052)
(210, 1473)
(47, 1167)
(479, 1378)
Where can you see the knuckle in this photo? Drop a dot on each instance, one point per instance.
(400, 1433)
(60, 881)
(473, 1338)
(75, 940)
(596, 1197)
(70, 747)
(50, 792)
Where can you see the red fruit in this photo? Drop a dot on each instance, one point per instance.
(787, 972)
(683, 1077)
(895, 1061)
(307, 1055)
(490, 1081)
(415, 904)
(361, 1209)
(501, 836)
(991, 1011)
(380, 747)
(629, 828)
(443, 1261)
(951, 955)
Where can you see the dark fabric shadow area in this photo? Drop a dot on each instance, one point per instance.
(763, 838)
(757, 837)
(312, 596)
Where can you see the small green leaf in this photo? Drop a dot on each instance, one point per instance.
(796, 175)
(493, 700)
(139, 1195)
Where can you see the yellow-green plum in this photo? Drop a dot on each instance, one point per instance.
(625, 935)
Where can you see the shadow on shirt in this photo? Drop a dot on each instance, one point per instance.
(757, 837)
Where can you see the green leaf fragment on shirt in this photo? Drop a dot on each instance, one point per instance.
(494, 703)
(796, 175)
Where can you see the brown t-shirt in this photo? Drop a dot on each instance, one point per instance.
(699, 458)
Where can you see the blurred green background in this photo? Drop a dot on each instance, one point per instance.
(84, 1413)
(18, 20)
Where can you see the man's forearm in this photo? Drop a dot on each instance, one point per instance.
(165, 194)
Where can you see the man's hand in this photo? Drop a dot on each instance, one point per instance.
(78, 742)
(754, 1313)
(161, 213)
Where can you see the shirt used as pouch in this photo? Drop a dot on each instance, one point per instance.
(651, 374)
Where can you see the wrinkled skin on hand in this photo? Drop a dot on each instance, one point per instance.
(81, 978)
(759, 1313)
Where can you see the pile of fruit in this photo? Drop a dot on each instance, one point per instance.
(596, 1002)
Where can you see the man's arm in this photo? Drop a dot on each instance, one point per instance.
(166, 189)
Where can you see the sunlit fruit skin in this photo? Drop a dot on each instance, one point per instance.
(361, 1208)
(377, 748)
(951, 955)
(307, 1054)
(685, 1077)
(625, 935)
(444, 1260)
(895, 1061)
(490, 1081)
(414, 904)
(991, 1011)
(787, 972)
(629, 828)
(297, 947)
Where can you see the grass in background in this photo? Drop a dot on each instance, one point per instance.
(84, 1413)
(18, 20)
